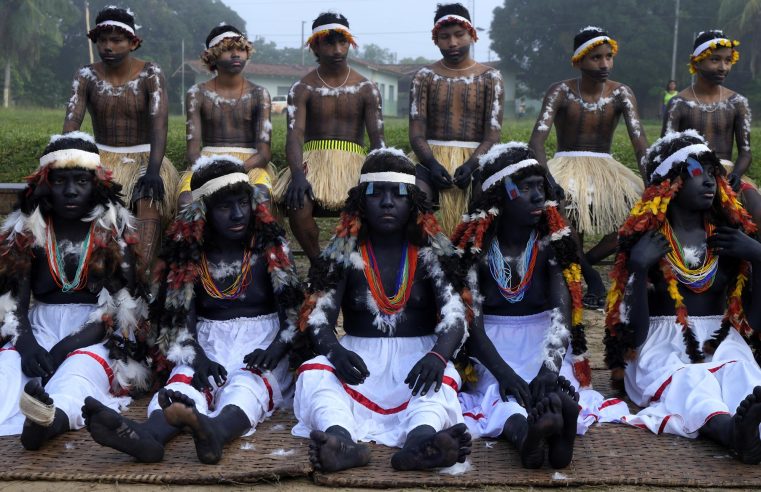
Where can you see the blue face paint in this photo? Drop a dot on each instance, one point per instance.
(402, 189)
(369, 190)
(694, 168)
(511, 189)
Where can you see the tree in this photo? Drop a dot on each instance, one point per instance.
(25, 27)
(375, 54)
(742, 19)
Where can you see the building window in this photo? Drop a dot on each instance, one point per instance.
(391, 93)
(383, 91)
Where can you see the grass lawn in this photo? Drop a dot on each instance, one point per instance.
(24, 132)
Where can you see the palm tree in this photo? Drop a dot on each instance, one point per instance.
(27, 27)
(743, 17)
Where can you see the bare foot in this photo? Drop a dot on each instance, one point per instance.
(34, 435)
(442, 449)
(110, 429)
(545, 420)
(561, 446)
(180, 411)
(745, 422)
(331, 452)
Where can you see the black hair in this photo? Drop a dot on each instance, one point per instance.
(219, 30)
(704, 36)
(112, 13)
(444, 9)
(586, 34)
(330, 18)
(664, 147)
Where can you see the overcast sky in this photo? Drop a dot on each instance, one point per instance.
(402, 26)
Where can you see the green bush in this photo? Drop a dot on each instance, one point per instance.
(25, 132)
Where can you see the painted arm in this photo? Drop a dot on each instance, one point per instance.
(294, 147)
(646, 253)
(374, 117)
(35, 360)
(267, 359)
(729, 241)
(742, 137)
(558, 335)
(671, 117)
(350, 368)
(193, 125)
(263, 132)
(428, 372)
(418, 131)
(482, 348)
(494, 98)
(635, 129)
(544, 122)
(151, 185)
(75, 109)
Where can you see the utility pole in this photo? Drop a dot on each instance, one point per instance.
(182, 76)
(676, 36)
(302, 42)
(473, 21)
(87, 29)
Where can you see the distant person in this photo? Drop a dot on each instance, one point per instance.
(668, 94)
(456, 107)
(521, 108)
(228, 115)
(329, 110)
(599, 190)
(720, 114)
(128, 103)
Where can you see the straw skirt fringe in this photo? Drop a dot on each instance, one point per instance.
(258, 176)
(599, 191)
(453, 202)
(331, 172)
(127, 168)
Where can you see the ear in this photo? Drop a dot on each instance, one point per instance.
(133, 44)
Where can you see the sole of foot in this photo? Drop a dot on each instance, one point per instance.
(34, 435)
(745, 428)
(545, 420)
(442, 449)
(560, 452)
(331, 452)
(110, 429)
(180, 411)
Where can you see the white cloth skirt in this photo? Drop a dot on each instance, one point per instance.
(85, 372)
(227, 342)
(520, 342)
(382, 409)
(680, 397)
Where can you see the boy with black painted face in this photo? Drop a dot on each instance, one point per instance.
(527, 338)
(329, 110)
(127, 101)
(720, 114)
(228, 115)
(71, 307)
(390, 378)
(684, 299)
(456, 107)
(599, 191)
(226, 317)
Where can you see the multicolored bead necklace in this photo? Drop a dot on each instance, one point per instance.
(404, 279)
(698, 279)
(57, 264)
(236, 288)
(503, 274)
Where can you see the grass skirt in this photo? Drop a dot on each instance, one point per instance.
(453, 202)
(258, 176)
(127, 168)
(599, 190)
(331, 172)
